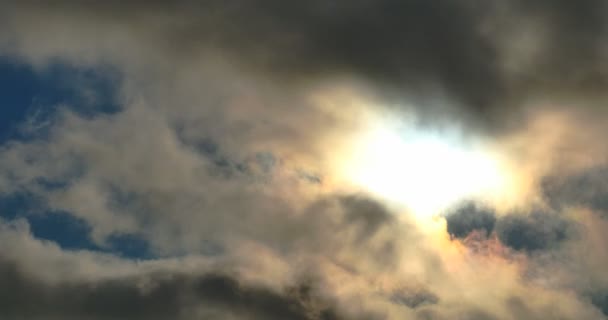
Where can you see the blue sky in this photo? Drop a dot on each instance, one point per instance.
(36, 93)
(33, 95)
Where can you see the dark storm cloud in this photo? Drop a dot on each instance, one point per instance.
(469, 217)
(534, 231)
(415, 48)
(156, 296)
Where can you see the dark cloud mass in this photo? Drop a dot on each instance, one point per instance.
(535, 231)
(469, 217)
(487, 57)
(156, 296)
(528, 231)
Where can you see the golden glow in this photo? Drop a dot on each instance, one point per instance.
(423, 171)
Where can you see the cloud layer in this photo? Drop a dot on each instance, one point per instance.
(225, 150)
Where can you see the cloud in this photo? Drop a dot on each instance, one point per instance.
(232, 122)
(469, 217)
(586, 188)
(151, 296)
(94, 285)
(414, 298)
(528, 231)
(470, 52)
(536, 231)
(600, 299)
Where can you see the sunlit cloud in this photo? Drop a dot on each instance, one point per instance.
(425, 171)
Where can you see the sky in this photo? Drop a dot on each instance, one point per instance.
(312, 160)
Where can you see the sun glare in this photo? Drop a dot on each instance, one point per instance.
(422, 171)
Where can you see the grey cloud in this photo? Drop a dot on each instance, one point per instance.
(588, 188)
(347, 225)
(469, 314)
(412, 48)
(468, 217)
(534, 231)
(159, 295)
(600, 300)
(367, 213)
(414, 298)
(524, 231)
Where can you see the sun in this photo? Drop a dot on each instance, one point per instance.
(424, 171)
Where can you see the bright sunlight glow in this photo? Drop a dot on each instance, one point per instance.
(424, 172)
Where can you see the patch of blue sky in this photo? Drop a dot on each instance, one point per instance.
(67, 230)
(30, 94)
(35, 94)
